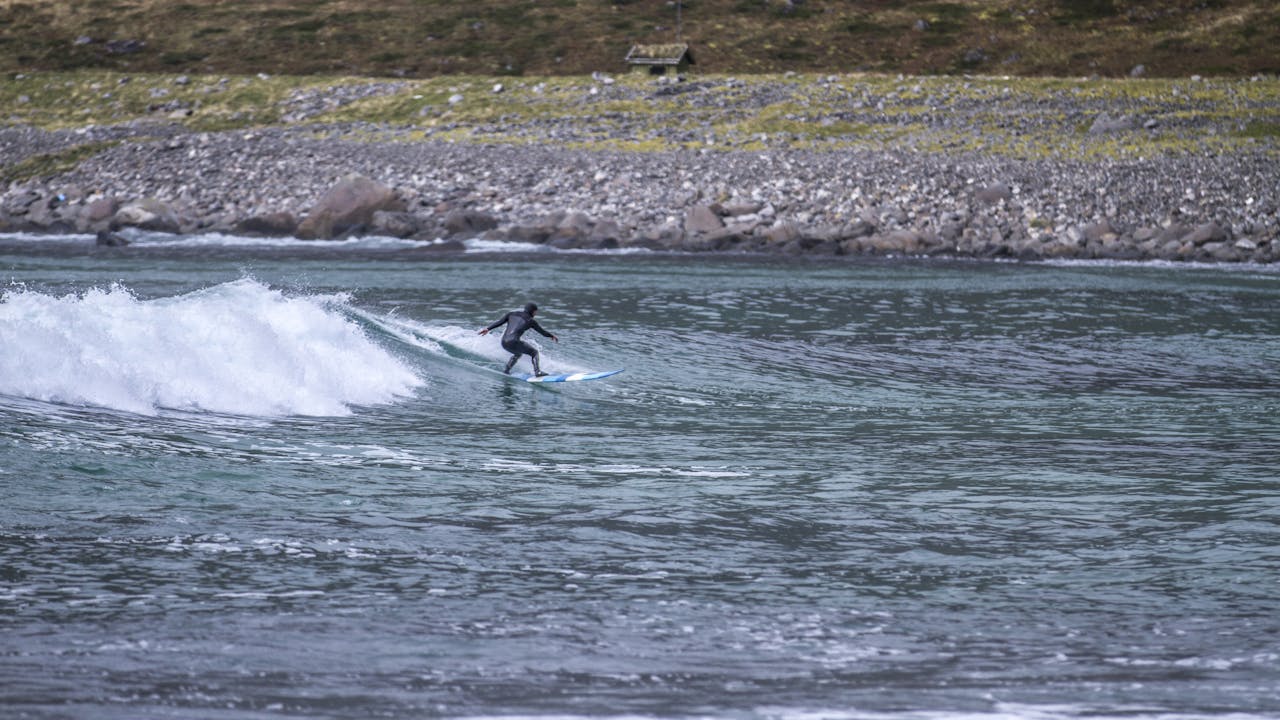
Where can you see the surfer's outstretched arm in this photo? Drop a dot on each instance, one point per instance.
(495, 324)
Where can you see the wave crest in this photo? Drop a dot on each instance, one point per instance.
(239, 348)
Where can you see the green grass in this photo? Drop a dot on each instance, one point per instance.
(49, 164)
(1259, 130)
(816, 112)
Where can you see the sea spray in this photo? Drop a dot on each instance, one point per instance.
(239, 348)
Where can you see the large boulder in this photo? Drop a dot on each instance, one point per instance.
(702, 219)
(348, 207)
(606, 234)
(97, 213)
(1205, 234)
(148, 214)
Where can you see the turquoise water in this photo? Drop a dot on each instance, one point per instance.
(268, 481)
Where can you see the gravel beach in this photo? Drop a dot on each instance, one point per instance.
(535, 179)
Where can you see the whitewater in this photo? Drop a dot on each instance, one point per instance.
(250, 480)
(236, 348)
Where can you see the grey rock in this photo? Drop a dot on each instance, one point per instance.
(782, 233)
(1206, 233)
(348, 206)
(702, 219)
(278, 224)
(1099, 232)
(125, 47)
(1104, 123)
(574, 227)
(148, 214)
(995, 192)
(107, 238)
(394, 224)
(468, 222)
(22, 202)
(606, 234)
(99, 212)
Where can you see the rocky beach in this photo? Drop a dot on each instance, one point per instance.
(821, 165)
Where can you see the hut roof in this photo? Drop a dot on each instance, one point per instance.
(670, 54)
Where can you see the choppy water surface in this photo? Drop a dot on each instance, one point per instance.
(247, 484)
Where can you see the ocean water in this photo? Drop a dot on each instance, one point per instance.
(247, 479)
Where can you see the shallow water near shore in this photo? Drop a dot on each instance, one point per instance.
(261, 482)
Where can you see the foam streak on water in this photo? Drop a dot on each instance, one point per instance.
(874, 491)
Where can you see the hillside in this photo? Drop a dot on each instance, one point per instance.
(424, 38)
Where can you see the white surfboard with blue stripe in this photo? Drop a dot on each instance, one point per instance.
(567, 377)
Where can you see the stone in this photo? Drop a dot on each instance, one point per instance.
(1218, 251)
(347, 207)
(101, 210)
(394, 224)
(468, 222)
(530, 233)
(721, 239)
(1104, 123)
(994, 193)
(148, 214)
(1204, 234)
(857, 229)
(1145, 234)
(1099, 232)
(575, 226)
(106, 238)
(124, 47)
(782, 233)
(21, 203)
(277, 224)
(1174, 232)
(702, 219)
(565, 242)
(897, 241)
(605, 234)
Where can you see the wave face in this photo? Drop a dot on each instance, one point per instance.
(238, 348)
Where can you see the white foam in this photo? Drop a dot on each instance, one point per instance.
(471, 342)
(140, 239)
(239, 348)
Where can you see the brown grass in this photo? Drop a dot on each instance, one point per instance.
(420, 38)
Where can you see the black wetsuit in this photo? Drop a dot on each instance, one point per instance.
(517, 323)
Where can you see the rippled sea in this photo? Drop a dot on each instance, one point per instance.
(245, 481)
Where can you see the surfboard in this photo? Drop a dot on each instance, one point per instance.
(566, 377)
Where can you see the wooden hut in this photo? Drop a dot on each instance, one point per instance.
(674, 59)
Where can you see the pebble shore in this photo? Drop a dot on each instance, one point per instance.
(865, 200)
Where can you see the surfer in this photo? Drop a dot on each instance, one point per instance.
(517, 322)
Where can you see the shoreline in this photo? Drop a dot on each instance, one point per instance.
(522, 178)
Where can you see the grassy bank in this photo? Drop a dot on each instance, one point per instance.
(1016, 117)
(425, 38)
